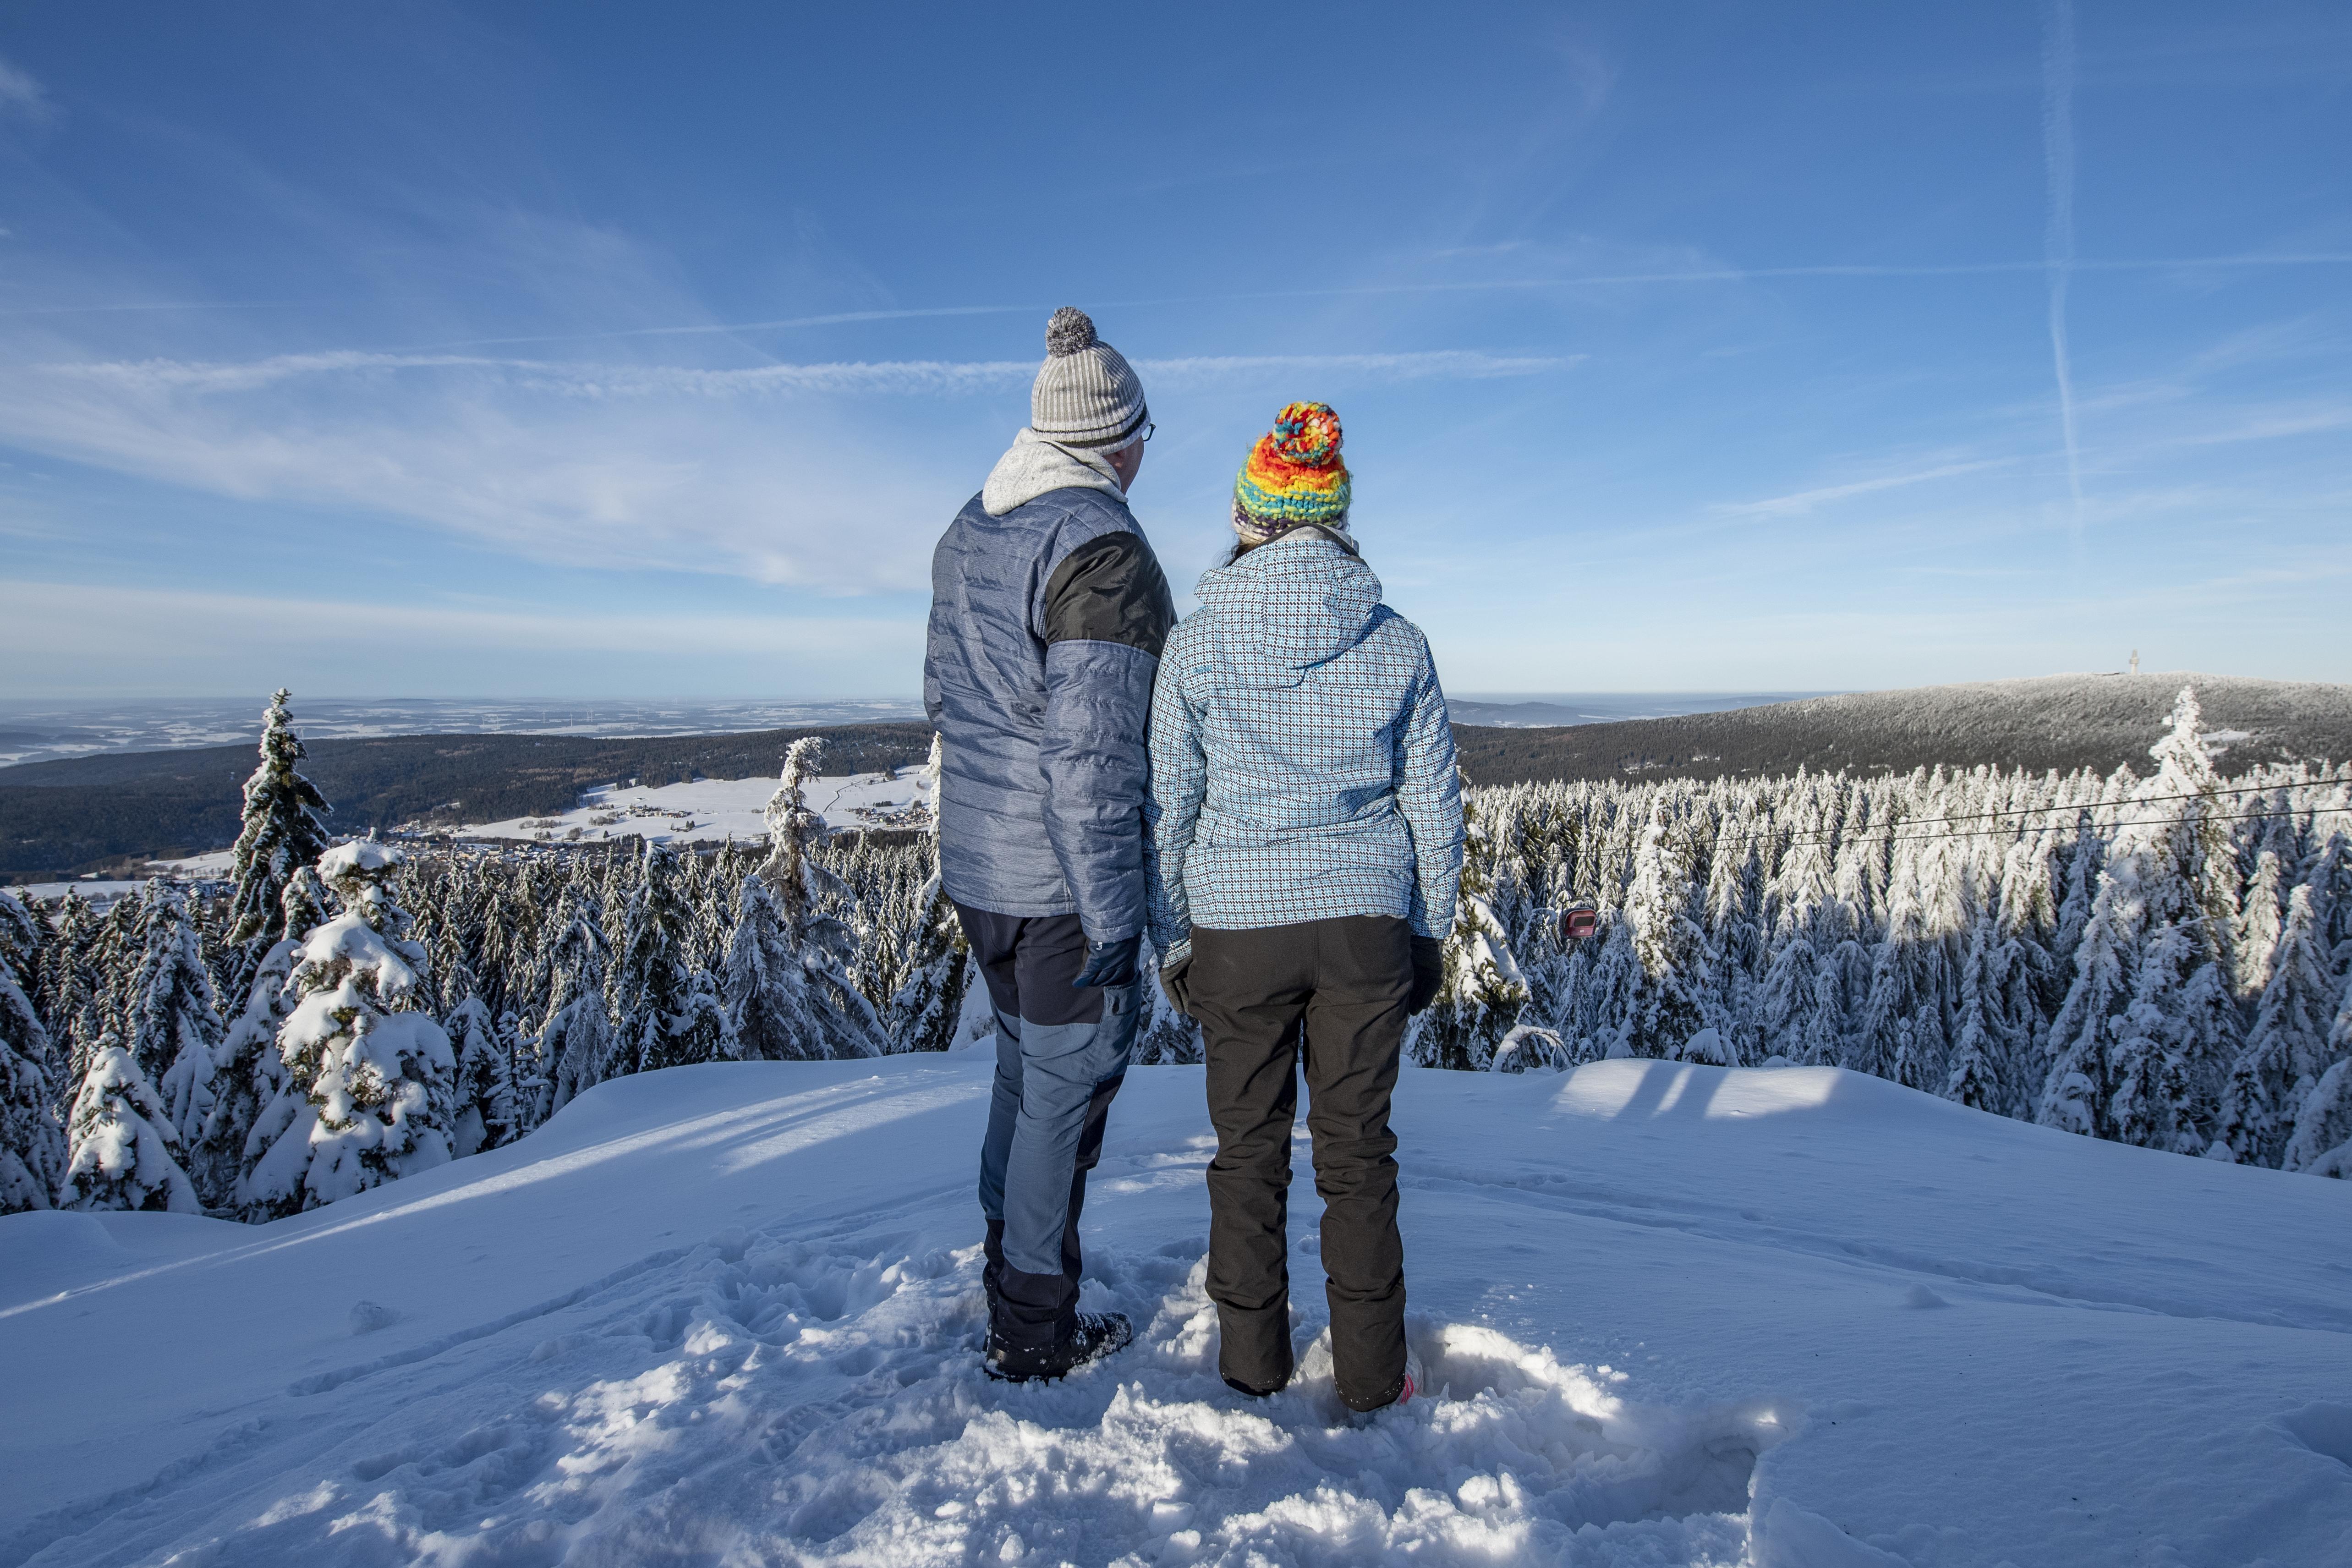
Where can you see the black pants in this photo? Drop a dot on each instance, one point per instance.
(1334, 990)
(1061, 1054)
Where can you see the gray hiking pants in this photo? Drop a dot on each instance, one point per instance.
(1061, 1055)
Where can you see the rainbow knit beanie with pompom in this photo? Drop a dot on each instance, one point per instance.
(1293, 475)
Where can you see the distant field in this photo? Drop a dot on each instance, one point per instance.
(89, 814)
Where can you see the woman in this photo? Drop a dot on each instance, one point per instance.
(1307, 834)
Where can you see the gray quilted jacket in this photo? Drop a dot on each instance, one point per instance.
(1045, 630)
(1302, 764)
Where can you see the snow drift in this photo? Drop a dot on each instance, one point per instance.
(1678, 1314)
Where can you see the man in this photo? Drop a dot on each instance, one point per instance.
(1048, 611)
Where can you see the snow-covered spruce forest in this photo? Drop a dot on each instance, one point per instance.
(2159, 957)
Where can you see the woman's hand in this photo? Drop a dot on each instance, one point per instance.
(1172, 982)
(1428, 973)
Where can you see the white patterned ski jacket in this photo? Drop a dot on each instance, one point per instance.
(1302, 764)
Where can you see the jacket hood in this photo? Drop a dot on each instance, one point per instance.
(1036, 465)
(1287, 607)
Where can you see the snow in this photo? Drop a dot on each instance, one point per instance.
(717, 809)
(1675, 1313)
(346, 861)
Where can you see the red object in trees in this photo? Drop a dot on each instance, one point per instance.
(1579, 920)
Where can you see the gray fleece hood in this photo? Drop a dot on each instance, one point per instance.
(1036, 465)
(1287, 607)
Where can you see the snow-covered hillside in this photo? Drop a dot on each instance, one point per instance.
(1680, 1314)
(707, 811)
(2061, 721)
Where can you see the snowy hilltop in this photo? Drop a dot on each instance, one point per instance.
(1676, 1314)
(2161, 955)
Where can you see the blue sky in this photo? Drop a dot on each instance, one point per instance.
(522, 349)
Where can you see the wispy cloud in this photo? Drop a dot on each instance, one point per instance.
(1640, 279)
(1804, 501)
(769, 471)
(899, 377)
(164, 620)
(2058, 217)
(22, 97)
(2277, 424)
(578, 379)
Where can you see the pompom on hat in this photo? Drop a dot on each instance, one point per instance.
(1293, 475)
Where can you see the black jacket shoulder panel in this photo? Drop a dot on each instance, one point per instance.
(1111, 589)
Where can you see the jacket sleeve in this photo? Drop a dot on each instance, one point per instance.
(1105, 616)
(1179, 779)
(1429, 793)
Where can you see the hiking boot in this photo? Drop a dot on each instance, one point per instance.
(1098, 1334)
(1416, 1381)
(1415, 1385)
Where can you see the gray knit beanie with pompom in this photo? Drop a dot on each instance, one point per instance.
(1086, 394)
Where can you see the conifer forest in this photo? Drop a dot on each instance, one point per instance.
(2158, 956)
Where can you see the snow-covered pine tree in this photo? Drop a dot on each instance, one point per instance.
(2139, 1107)
(2169, 864)
(1785, 997)
(484, 1091)
(787, 976)
(1482, 991)
(125, 1153)
(1806, 878)
(1981, 1068)
(248, 1076)
(25, 942)
(663, 1017)
(2261, 922)
(1668, 941)
(526, 1071)
(373, 1075)
(2288, 1049)
(32, 1147)
(1904, 1034)
(116, 949)
(2321, 1145)
(924, 1009)
(68, 996)
(172, 1017)
(281, 834)
(577, 1049)
(1736, 951)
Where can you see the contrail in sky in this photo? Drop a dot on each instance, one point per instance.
(2058, 217)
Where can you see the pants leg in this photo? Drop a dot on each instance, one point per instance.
(1250, 990)
(1354, 1033)
(1061, 1053)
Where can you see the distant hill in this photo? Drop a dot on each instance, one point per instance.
(85, 813)
(2062, 721)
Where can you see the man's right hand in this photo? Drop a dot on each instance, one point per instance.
(1428, 973)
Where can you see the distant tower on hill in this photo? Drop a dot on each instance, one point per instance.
(2135, 664)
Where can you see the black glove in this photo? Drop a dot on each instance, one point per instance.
(1428, 971)
(1172, 982)
(1110, 963)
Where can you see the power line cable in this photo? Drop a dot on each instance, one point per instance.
(1868, 838)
